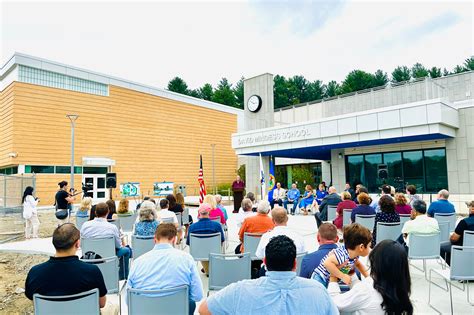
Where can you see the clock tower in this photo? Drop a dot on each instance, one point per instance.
(258, 113)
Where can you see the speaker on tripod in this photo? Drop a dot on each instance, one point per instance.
(382, 171)
(111, 180)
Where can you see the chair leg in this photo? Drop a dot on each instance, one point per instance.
(429, 295)
(468, 295)
(451, 297)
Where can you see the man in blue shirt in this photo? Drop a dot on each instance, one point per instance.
(205, 226)
(280, 292)
(165, 267)
(327, 239)
(292, 197)
(442, 205)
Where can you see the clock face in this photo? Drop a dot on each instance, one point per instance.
(254, 103)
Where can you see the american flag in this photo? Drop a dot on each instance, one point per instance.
(202, 186)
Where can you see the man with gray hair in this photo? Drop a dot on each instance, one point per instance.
(220, 206)
(246, 211)
(260, 223)
(442, 205)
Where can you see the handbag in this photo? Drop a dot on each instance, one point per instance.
(61, 214)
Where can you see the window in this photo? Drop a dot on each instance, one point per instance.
(67, 169)
(38, 169)
(413, 169)
(355, 170)
(394, 168)
(61, 81)
(9, 170)
(371, 171)
(436, 170)
(95, 170)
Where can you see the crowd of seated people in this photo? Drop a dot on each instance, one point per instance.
(385, 288)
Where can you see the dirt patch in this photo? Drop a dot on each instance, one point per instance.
(12, 226)
(13, 271)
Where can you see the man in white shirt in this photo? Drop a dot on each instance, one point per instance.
(278, 196)
(280, 218)
(386, 190)
(164, 215)
(165, 267)
(247, 212)
(420, 223)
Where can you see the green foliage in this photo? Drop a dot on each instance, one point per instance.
(316, 90)
(178, 85)
(280, 92)
(380, 78)
(194, 93)
(357, 80)
(206, 92)
(435, 72)
(459, 69)
(224, 94)
(239, 92)
(446, 72)
(419, 71)
(469, 63)
(400, 74)
(302, 175)
(332, 89)
(223, 189)
(241, 172)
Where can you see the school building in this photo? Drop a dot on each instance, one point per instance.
(419, 132)
(144, 134)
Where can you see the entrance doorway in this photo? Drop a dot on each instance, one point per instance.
(96, 182)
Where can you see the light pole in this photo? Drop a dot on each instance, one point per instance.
(213, 168)
(72, 118)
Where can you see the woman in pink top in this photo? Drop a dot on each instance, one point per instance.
(215, 212)
(346, 203)
(401, 206)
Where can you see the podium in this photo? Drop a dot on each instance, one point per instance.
(238, 196)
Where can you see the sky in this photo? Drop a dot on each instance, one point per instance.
(153, 41)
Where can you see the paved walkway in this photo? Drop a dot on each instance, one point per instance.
(306, 226)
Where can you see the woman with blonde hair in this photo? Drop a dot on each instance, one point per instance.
(215, 212)
(123, 210)
(84, 208)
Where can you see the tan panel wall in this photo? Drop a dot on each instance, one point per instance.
(6, 125)
(150, 138)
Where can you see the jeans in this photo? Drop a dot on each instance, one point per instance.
(445, 252)
(401, 240)
(294, 203)
(192, 307)
(279, 202)
(123, 253)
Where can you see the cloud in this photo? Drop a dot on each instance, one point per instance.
(300, 18)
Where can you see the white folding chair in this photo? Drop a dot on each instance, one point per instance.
(162, 302)
(424, 246)
(332, 213)
(299, 260)
(346, 216)
(142, 245)
(461, 269)
(367, 220)
(468, 238)
(80, 221)
(404, 218)
(388, 231)
(447, 217)
(115, 222)
(127, 222)
(105, 247)
(251, 241)
(84, 303)
(221, 264)
(201, 245)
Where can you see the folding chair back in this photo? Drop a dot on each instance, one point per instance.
(404, 218)
(299, 260)
(388, 231)
(105, 247)
(82, 303)
(444, 231)
(161, 302)
(80, 221)
(462, 258)
(346, 216)
(424, 246)
(201, 245)
(127, 222)
(185, 215)
(447, 217)
(251, 241)
(367, 220)
(227, 269)
(142, 245)
(468, 238)
(115, 222)
(332, 213)
(167, 220)
(109, 267)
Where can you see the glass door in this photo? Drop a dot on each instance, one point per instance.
(96, 185)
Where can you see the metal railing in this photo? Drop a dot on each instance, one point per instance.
(11, 191)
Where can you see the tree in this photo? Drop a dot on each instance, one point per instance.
(239, 92)
(459, 69)
(380, 78)
(400, 74)
(316, 90)
(469, 63)
(280, 92)
(224, 94)
(178, 85)
(419, 71)
(194, 93)
(435, 72)
(357, 80)
(332, 89)
(206, 92)
(297, 89)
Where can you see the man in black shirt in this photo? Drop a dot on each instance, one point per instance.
(65, 274)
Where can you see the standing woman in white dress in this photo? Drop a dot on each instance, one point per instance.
(30, 213)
